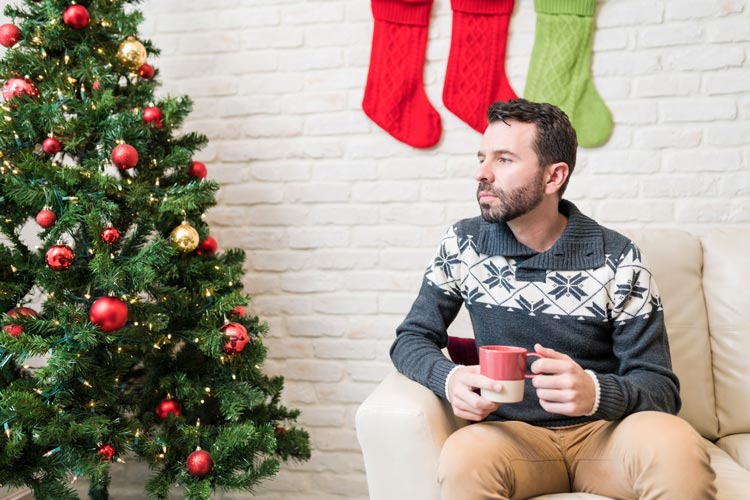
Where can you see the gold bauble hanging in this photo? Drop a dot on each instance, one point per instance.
(132, 53)
(184, 237)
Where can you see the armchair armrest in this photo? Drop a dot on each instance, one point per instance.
(401, 428)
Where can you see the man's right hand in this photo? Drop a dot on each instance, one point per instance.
(466, 403)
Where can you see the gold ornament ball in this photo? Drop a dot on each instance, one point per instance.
(132, 53)
(184, 237)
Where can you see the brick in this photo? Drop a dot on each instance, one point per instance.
(735, 184)
(449, 190)
(210, 43)
(616, 162)
(345, 303)
(283, 215)
(411, 168)
(313, 371)
(244, 63)
(318, 237)
(284, 349)
(282, 304)
(254, 238)
(378, 237)
(338, 461)
(729, 30)
(330, 170)
(272, 126)
(346, 259)
(350, 214)
(320, 192)
(322, 416)
(413, 214)
(248, 105)
(317, 102)
(316, 326)
(384, 191)
(253, 194)
(280, 171)
(210, 87)
(250, 150)
(333, 79)
(317, 148)
(625, 64)
(675, 84)
(260, 283)
(405, 259)
(368, 372)
(679, 186)
(310, 282)
(670, 35)
(692, 9)
(602, 187)
(185, 67)
(298, 392)
(326, 35)
(276, 260)
(629, 14)
(704, 58)
(184, 21)
(337, 124)
(660, 137)
(375, 279)
(698, 110)
(345, 486)
(311, 59)
(634, 112)
(381, 326)
(312, 13)
(733, 81)
(728, 135)
(265, 38)
(336, 439)
(611, 39)
(276, 83)
(702, 211)
(703, 160)
(344, 392)
(230, 19)
(627, 211)
(613, 87)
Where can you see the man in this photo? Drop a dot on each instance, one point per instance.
(534, 272)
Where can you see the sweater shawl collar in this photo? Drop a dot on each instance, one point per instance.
(581, 245)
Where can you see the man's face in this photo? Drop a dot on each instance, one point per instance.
(511, 183)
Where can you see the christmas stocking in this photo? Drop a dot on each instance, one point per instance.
(394, 96)
(475, 77)
(560, 68)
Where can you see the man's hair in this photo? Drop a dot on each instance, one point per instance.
(555, 139)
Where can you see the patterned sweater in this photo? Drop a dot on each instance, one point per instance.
(590, 296)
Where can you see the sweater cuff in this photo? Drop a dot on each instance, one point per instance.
(597, 393)
(573, 7)
(483, 6)
(402, 12)
(439, 376)
(612, 402)
(448, 381)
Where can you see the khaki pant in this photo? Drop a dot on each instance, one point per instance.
(647, 455)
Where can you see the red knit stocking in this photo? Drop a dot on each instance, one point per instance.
(394, 95)
(475, 77)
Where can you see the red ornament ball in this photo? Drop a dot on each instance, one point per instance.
(125, 156)
(46, 218)
(167, 406)
(110, 235)
(153, 115)
(14, 330)
(95, 85)
(238, 312)
(17, 86)
(238, 338)
(60, 257)
(9, 35)
(198, 170)
(199, 463)
(207, 246)
(146, 71)
(51, 146)
(77, 17)
(106, 452)
(109, 313)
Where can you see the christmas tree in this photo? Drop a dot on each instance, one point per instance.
(149, 349)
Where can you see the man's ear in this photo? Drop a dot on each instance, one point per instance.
(555, 177)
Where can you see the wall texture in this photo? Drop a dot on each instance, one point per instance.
(339, 219)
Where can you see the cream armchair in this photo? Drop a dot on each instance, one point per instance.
(703, 282)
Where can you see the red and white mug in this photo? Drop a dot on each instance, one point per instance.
(506, 364)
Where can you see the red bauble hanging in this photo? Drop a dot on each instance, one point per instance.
(13, 329)
(207, 246)
(109, 313)
(199, 463)
(198, 170)
(237, 312)
(76, 16)
(125, 156)
(153, 115)
(10, 35)
(238, 338)
(167, 406)
(106, 452)
(146, 71)
(46, 218)
(60, 257)
(110, 235)
(17, 86)
(51, 146)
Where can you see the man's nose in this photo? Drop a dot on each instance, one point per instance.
(484, 172)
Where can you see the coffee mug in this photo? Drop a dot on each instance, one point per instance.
(508, 365)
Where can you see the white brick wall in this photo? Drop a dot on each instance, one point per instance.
(339, 219)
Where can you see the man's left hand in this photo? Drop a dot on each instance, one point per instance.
(564, 387)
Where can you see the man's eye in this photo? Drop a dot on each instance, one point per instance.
(504, 160)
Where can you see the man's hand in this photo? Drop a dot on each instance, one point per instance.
(564, 388)
(466, 403)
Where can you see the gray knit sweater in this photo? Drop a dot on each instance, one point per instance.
(590, 296)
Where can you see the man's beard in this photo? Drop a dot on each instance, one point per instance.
(512, 204)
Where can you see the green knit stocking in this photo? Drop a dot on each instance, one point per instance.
(560, 68)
